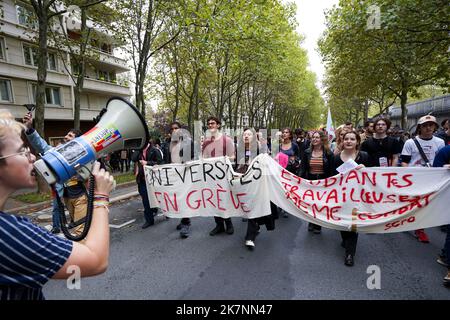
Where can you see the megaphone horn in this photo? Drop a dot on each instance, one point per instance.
(120, 127)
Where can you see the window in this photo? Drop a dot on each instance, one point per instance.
(51, 62)
(5, 90)
(106, 76)
(26, 16)
(30, 54)
(2, 49)
(102, 75)
(52, 95)
(106, 48)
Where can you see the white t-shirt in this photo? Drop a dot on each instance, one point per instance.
(430, 148)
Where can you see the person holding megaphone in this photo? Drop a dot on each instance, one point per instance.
(30, 255)
(73, 191)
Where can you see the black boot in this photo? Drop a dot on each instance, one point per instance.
(218, 229)
(317, 229)
(147, 224)
(230, 229)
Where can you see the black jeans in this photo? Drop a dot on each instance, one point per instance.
(148, 212)
(350, 240)
(253, 225)
(446, 249)
(220, 221)
(252, 229)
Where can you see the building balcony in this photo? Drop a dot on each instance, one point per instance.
(13, 70)
(16, 30)
(105, 87)
(108, 60)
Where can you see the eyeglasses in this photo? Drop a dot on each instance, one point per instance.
(211, 123)
(27, 153)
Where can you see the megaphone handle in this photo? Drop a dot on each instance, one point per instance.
(87, 219)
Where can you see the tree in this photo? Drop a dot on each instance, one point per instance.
(406, 51)
(237, 59)
(78, 48)
(148, 26)
(44, 15)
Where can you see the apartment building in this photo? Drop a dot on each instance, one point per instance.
(18, 72)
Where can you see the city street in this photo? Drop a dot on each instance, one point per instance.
(288, 263)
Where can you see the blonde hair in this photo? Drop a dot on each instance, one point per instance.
(7, 125)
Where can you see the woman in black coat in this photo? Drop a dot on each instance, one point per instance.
(246, 152)
(351, 142)
(317, 163)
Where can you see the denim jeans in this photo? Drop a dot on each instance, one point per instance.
(56, 215)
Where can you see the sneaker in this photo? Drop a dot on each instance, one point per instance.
(185, 232)
(441, 261)
(250, 244)
(349, 261)
(421, 236)
(218, 229)
(447, 280)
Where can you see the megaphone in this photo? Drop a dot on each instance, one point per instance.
(121, 126)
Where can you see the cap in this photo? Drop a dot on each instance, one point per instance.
(427, 118)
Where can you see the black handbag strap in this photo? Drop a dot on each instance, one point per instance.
(422, 154)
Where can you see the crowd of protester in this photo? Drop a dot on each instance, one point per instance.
(308, 154)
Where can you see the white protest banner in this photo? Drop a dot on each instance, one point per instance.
(207, 187)
(375, 200)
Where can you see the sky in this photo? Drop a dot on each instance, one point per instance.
(311, 21)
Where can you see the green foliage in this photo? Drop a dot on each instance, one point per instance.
(124, 178)
(34, 197)
(379, 64)
(234, 59)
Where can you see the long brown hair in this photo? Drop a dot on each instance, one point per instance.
(323, 140)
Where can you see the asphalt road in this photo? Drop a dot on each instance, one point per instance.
(288, 263)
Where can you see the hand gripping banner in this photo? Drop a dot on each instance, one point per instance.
(374, 200)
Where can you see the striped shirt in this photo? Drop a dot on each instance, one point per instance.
(29, 257)
(316, 165)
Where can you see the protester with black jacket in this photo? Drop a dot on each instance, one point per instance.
(317, 163)
(350, 150)
(148, 156)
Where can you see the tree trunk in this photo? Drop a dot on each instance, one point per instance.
(41, 73)
(177, 85)
(403, 100)
(193, 100)
(82, 64)
(366, 110)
